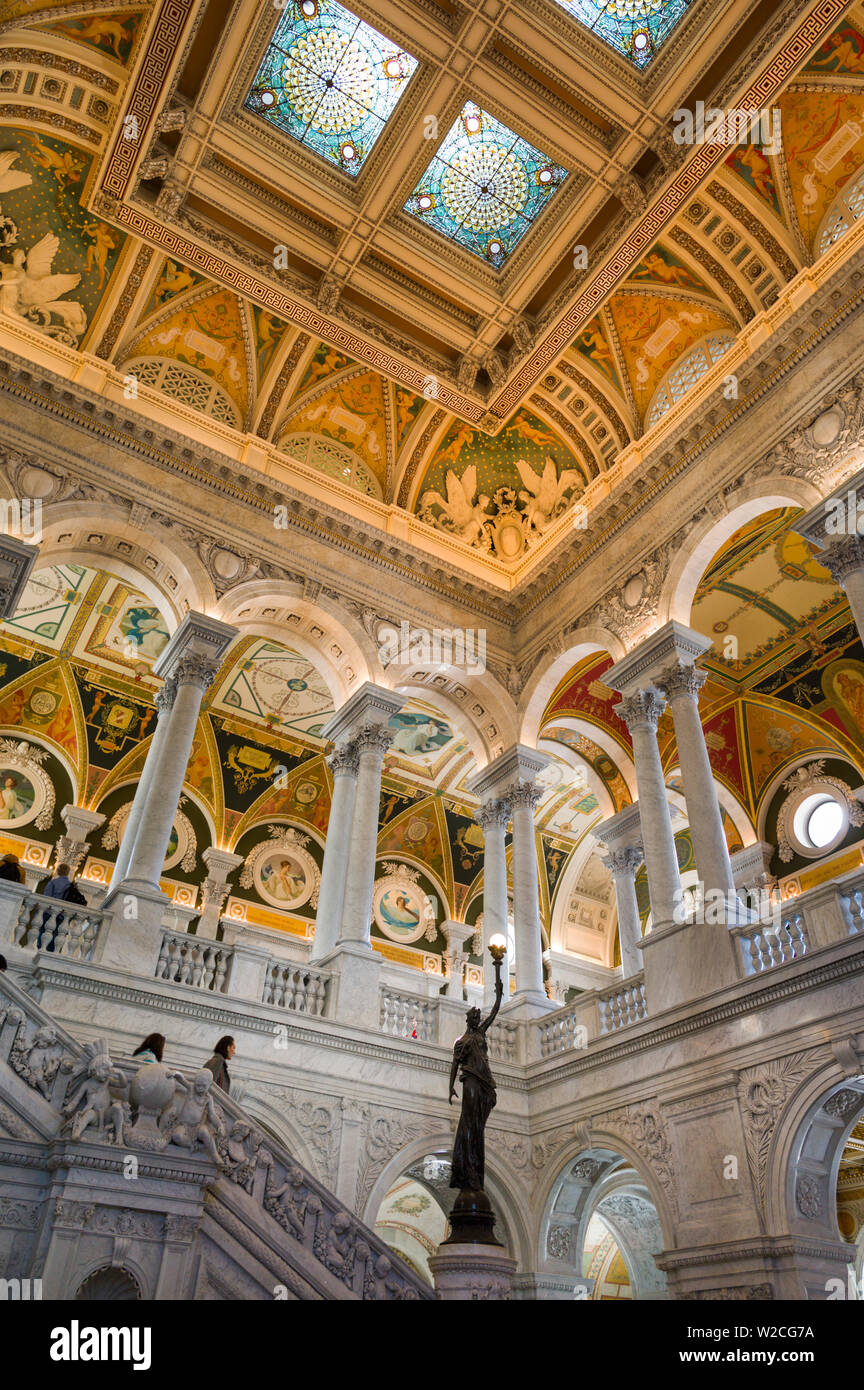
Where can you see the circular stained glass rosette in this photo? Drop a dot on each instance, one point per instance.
(483, 189)
(331, 82)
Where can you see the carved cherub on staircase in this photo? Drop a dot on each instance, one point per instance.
(38, 1062)
(290, 1203)
(92, 1101)
(197, 1121)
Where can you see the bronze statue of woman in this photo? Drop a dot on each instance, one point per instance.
(478, 1096)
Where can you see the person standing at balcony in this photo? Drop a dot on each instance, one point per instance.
(10, 870)
(57, 885)
(218, 1064)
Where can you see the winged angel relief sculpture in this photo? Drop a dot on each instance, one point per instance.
(529, 512)
(28, 288)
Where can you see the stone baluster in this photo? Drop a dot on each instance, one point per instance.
(681, 684)
(220, 863)
(344, 763)
(641, 712)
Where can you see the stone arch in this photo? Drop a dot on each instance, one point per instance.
(320, 630)
(709, 533)
(142, 551)
(621, 756)
(273, 1120)
(550, 671)
(605, 1179)
(802, 1169)
(109, 1283)
(503, 1186)
(568, 885)
(476, 706)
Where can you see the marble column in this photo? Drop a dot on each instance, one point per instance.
(523, 797)
(164, 702)
(80, 824)
(194, 674)
(621, 836)
(512, 777)
(834, 529)
(681, 684)
(493, 816)
(373, 741)
(188, 664)
(17, 559)
(844, 561)
(220, 863)
(353, 965)
(344, 763)
(641, 712)
(455, 957)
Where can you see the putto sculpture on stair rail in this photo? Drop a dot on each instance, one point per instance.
(472, 1218)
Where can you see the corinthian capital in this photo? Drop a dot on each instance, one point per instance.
(681, 679)
(196, 669)
(495, 812)
(624, 861)
(344, 760)
(642, 709)
(166, 695)
(843, 557)
(374, 738)
(523, 793)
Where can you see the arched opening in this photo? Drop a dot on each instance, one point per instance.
(110, 1284)
(603, 1228)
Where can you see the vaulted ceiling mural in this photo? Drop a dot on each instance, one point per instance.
(496, 484)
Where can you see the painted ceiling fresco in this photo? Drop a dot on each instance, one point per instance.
(722, 261)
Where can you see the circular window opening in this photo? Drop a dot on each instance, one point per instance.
(820, 821)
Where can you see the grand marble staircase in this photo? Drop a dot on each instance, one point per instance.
(122, 1181)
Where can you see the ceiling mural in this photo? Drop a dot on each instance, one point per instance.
(356, 413)
(55, 259)
(500, 495)
(823, 145)
(112, 32)
(277, 686)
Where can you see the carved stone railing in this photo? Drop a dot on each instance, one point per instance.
(288, 985)
(622, 1004)
(852, 902)
(49, 924)
(190, 960)
(407, 1015)
(257, 1183)
(569, 1028)
(502, 1040)
(762, 946)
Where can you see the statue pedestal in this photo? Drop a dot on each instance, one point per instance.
(465, 1272)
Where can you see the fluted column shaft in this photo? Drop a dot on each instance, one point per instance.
(681, 685)
(844, 560)
(623, 865)
(523, 797)
(641, 712)
(164, 704)
(373, 741)
(344, 763)
(194, 675)
(493, 816)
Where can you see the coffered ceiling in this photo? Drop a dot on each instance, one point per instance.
(192, 163)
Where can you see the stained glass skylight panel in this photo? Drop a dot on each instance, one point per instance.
(330, 81)
(485, 186)
(635, 28)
